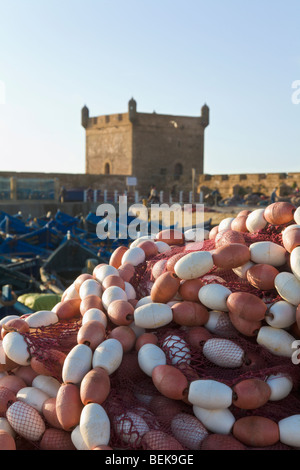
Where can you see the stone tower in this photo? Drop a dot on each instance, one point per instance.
(155, 148)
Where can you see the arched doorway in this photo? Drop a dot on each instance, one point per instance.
(107, 168)
(178, 170)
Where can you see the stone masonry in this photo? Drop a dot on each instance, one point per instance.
(155, 148)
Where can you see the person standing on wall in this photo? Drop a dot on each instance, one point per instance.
(62, 195)
(274, 195)
(153, 196)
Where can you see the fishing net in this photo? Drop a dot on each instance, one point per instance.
(140, 416)
(258, 361)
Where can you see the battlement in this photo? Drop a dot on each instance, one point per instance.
(108, 120)
(168, 121)
(230, 185)
(148, 119)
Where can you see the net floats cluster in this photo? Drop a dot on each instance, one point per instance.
(173, 345)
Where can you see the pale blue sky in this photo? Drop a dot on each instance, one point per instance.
(238, 56)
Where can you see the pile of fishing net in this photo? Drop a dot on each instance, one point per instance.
(173, 345)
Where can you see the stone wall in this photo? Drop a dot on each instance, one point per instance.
(165, 149)
(155, 148)
(108, 142)
(70, 181)
(230, 185)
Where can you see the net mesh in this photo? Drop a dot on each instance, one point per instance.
(141, 417)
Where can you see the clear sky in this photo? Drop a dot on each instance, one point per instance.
(241, 57)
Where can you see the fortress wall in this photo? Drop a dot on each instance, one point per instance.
(230, 185)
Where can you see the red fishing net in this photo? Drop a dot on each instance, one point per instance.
(141, 417)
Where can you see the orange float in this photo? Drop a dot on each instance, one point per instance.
(149, 248)
(7, 442)
(49, 413)
(95, 386)
(171, 237)
(170, 382)
(188, 313)
(247, 306)
(189, 289)
(165, 287)
(250, 394)
(113, 280)
(256, 431)
(245, 327)
(231, 256)
(262, 276)
(125, 335)
(120, 312)
(279, 213)
(116, 258)
(227, 237)
(221, 442)
(68, 406)
(145, 338)
(291, 237)
(239, 223)
(92, 333)
(92, 301)
(68, 309)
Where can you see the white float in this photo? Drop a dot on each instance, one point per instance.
(33, 396)
(281, 314)
(295, 262)
(153, 315)
(210, 394)
(49, 385)
(26, 421)
(194, 265)
(289, 430)
(16, 348)
(188, 430)
(219, 421)
(225, 224)
(77, 364)
(134, 256)
(297, 216)
(108, 355)
(288, 287)
(241, 271)
(90, 287)
(277, 341)
(176, 349)
(105, 270)
(41, 319)
(267, 253)
(214, 296)
(95, 314)
(149, 357)
(113, 293)
(223, 352)
(94, 425)
(256, 220)
(281, 386)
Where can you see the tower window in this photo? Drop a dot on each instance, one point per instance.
(178, 170)
(107, 169)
